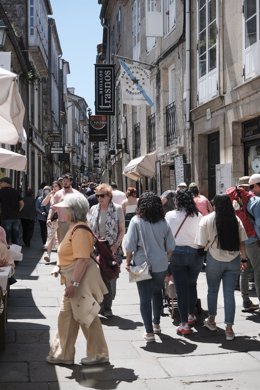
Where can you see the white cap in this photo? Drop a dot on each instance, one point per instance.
(254, 179)
(182, 184)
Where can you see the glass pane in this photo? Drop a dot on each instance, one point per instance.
(250, 8)
(202, 42)
(212, 11)
(202, 19)
(251, 32)
(202, 65)
(212, 58)
(212, 34)
(201, 3)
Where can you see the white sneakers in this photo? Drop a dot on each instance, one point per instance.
(53, 360)
(90, 361)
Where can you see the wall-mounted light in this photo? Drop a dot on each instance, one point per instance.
(2, 34)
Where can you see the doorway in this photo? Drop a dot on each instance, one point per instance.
(213, 159)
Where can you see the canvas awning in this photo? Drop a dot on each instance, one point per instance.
(143, 166)
(11, 160)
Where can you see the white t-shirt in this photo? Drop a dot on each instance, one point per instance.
(188, 231)
(207, 235)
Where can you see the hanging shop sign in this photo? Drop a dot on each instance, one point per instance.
(105, 89)
(97, 128)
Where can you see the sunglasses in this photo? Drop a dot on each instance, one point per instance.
(100, 195)
(251, 186)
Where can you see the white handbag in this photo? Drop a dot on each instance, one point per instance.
(141, 272)
(137, 273)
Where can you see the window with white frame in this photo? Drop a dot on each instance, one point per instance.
(136, 23)
(150, 43)
(207, 49)
(154, 18)
(169, 15)
(251, 38)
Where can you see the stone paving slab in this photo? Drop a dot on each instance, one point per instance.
(230, 363)
(26, 386)
(15, 372)
(207, 382)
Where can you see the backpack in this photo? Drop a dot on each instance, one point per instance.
(239, 198)
(108, 265)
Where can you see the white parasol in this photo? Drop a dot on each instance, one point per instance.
(11, 160)
(11, 110)
(143, 166)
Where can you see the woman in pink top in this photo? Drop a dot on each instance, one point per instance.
(202, 203)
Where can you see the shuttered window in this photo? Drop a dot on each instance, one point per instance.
(251, 38)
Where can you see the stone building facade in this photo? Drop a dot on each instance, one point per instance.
(36, 58)
(225, 99)
(204, 61)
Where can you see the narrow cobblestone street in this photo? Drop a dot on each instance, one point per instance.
(203, 360)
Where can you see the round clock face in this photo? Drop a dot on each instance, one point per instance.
(256, 164)
(135, 78)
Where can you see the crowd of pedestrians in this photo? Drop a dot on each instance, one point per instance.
(176, 234)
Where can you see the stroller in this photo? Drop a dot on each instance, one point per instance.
(170, 297)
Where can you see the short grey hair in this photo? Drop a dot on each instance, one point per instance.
(78, 206)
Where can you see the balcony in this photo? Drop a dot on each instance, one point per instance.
(171, 136)
(151, 133)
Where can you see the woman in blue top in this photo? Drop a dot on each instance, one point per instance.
(149, 234)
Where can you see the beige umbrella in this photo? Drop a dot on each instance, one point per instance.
(11, 160)
(143, 166)
(11, 110)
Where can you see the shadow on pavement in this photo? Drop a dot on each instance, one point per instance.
(120, 322)
(239, 344)
(170, 346)
(255, 317)
(102, 377)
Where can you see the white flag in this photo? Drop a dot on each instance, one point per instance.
(135, 84)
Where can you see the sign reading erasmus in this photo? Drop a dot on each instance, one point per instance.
(105, 89)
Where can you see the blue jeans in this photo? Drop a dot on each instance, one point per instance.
(185, 267)
(151, 299)
(253, 252)
(227, 272)
(12, 229)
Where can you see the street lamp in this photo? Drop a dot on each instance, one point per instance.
(2, 34)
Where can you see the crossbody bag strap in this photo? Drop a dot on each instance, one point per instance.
(209, 244)
(93, 234)
(141, 236)
(186, 216)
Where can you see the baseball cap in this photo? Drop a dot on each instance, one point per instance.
(254, 179)
(192, 185)
(6, 180)
(243, 181)
(182, 184)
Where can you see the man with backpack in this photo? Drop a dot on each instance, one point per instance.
(240, 197)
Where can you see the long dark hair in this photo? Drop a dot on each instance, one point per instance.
(149, 207)
(226, 223)
(184, 201)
